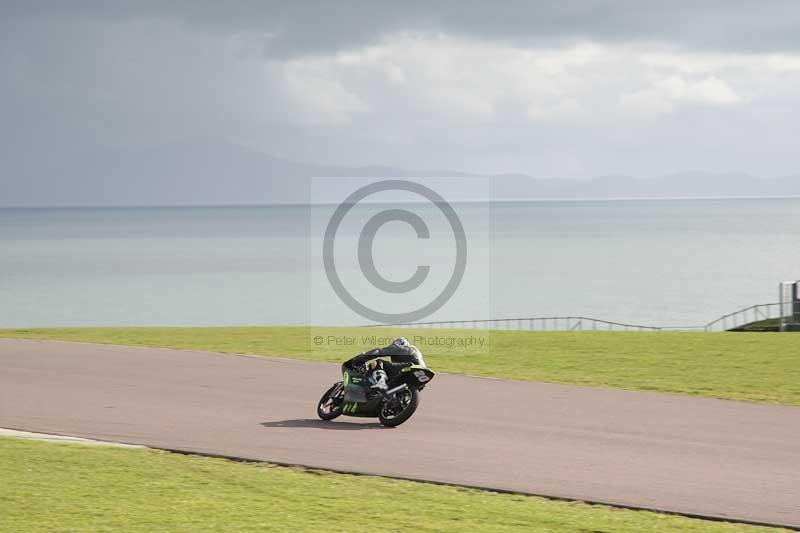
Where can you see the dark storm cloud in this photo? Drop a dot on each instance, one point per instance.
(319, 27)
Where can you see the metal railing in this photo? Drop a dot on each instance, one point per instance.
(739, 318)
(550, 323)
(754, 313)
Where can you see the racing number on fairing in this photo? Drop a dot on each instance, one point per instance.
(421, 376)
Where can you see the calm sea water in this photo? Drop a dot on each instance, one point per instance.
(660, 262)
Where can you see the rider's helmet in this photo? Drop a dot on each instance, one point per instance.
(400, 341)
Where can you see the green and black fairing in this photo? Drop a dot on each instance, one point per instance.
(416, 376)
(359, 399)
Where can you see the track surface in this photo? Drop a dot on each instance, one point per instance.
(668, 452)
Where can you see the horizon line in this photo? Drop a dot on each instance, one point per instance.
(459, 201)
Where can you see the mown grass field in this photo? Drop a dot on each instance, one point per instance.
(760, 367)
(70, 487)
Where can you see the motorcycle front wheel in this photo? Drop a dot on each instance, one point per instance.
(393, 413)
(330, 405)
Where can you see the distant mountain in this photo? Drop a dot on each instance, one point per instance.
(220, 173)
(683, 185)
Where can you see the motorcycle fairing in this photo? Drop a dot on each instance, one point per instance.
(417, 375)
(353, 389)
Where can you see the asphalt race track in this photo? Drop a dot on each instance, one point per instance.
(669, 452)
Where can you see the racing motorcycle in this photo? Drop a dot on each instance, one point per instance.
(354, 396)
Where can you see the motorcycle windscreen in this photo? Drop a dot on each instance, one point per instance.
(354, 393)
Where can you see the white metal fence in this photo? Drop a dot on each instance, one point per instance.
(748, 315)
(550, 323)
(753, 313)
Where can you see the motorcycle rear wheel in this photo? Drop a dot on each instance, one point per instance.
(392, 417)
(330, 407)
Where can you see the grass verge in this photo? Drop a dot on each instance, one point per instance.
(761, 367)
(70, 487)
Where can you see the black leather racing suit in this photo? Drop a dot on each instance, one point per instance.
(401, 356)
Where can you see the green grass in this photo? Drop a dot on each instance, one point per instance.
(70, 487)
(761, 367)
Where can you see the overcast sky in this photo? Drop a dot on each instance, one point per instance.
(557, 89)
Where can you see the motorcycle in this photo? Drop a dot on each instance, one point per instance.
(354, 396)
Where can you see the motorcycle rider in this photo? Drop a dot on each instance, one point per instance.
(402, 354)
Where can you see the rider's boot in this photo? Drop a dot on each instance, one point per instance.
(380, 380)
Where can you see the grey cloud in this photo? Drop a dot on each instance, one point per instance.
(312, 27)
(82, 80)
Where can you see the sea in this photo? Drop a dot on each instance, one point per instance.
(652, 262)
